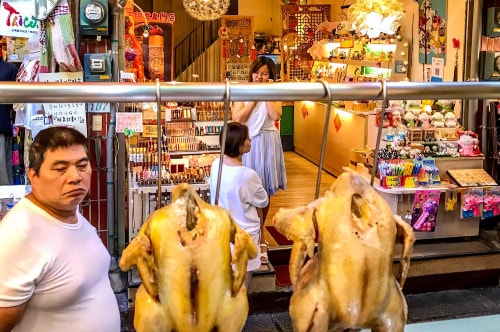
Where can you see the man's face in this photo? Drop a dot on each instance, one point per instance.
(64, 178)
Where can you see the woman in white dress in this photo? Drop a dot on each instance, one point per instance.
(266, 156)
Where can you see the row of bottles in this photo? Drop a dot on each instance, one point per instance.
(210, 111)
(207, 130)
(201, 111)
(148, 175)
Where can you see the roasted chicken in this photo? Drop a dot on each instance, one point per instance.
(349, 282)
(185, 261)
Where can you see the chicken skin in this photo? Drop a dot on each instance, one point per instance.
(184, 257)
(349, 282)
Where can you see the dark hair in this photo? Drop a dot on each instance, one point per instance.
(236, 135)
(262, 61)
(51, 139)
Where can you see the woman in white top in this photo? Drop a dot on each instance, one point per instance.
(266, 156)
(241, 190)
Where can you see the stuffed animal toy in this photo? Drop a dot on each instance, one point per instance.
(437, 120)
(450, 120)
(469, 143)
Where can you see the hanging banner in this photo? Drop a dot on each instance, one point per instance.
(17, 19)
(431, 30)
(65, 114)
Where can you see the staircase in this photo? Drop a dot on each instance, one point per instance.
(199, 53)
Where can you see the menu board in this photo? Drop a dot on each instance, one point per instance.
(471, 177)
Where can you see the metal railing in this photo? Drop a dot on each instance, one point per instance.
(11, 92)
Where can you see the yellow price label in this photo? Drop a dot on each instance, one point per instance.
(411, 181)
(392, 181)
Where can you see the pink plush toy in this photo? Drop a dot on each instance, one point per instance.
(469, 143)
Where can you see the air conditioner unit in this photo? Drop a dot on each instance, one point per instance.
(492, 25)
(489, 64)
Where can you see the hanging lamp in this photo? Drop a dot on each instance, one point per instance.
(373, 17)
(206, 10)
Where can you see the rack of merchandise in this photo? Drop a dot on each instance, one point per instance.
(190, 143)
(301, 22)
(237, 44)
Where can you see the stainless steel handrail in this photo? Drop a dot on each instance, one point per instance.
(288, 91)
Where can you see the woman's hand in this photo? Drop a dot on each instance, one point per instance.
(241, 111)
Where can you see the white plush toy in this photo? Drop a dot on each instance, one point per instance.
(424, 120)
(410, 119)
(450, 120)
(437, 120)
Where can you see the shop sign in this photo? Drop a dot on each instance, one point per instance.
(17, 19)
(65, 114)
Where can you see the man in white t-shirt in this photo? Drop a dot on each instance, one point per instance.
(241, 190)
(53, 266)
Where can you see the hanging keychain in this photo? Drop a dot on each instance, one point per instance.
(451, 200)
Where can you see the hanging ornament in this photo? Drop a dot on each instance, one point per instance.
(451, 200)
(456, 46)
(240, 44)
(224, 49)
(254, 53)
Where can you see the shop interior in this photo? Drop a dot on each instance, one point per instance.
(430, 152)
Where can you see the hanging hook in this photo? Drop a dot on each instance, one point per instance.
(379, 133)
(227, 108)
(326, 86)
(159, 136)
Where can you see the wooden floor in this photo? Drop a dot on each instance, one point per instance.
(301, 187)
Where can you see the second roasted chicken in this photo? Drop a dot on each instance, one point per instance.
(349, 282)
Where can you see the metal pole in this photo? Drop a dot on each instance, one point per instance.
(379, 132)
(227, 107)
(326, 86)
(159, 137)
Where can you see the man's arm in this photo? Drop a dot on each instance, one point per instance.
(10, 316)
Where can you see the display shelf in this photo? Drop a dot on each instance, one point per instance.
(201, 152)
(152, 189)
(402, 190)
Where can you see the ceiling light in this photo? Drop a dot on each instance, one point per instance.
(206, 10)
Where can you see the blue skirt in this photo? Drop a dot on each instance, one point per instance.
(266, 158)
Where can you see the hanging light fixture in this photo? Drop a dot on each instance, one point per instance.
(373, 17)
(206, 10)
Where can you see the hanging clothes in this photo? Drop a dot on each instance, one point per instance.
(57, 40)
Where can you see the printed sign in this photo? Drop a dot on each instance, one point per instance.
(65, 114)
(129, 120)
(17, 19)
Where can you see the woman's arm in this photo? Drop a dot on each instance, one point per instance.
(242, 112)
(274, 109)
(10, 316)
